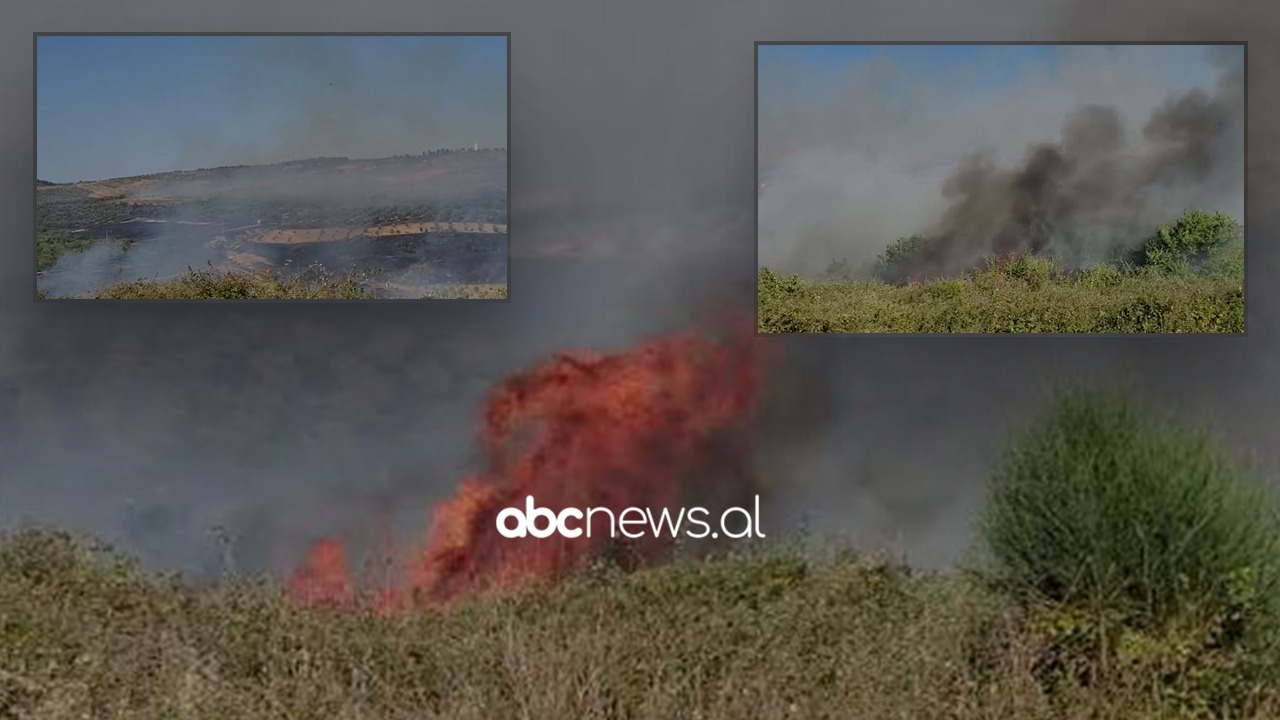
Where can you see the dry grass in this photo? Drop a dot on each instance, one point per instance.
(266, 284)
(770, 636)
(479, 291)
(997, 300)
(291, 236)
(229, 285)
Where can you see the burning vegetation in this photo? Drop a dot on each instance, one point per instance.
(654, 426)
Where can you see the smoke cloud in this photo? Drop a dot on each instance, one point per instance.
(1122, 163)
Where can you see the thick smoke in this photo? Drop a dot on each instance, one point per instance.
(1090, 195)
(152, 426)
(1099, 188)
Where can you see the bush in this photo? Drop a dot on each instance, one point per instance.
(839, 270)
(1101, 503)
(1145, 544)
(1188, 244)
(52, 246)
(1226, 260)
(778, 298)
(901, 258)
(1036, 272)
(1101, 276)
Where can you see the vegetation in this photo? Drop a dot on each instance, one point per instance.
(296, 213)
(313, 283)
(1138, 544)
(65, 208)
(50, 247)
(897, 260)
(484, 291)
(1128, 574)
(1187, 277)
(1199, 242)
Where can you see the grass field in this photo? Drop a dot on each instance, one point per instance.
(313, 284)
(1188, 277)
(1127, 570)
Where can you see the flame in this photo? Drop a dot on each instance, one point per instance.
(644, 427)
(322, 579)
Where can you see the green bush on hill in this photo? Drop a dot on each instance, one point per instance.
(1191, 244)
(1141, 542)
(899, 259)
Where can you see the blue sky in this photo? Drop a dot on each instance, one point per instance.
(980, 68)
(996, 64)
(118, 106)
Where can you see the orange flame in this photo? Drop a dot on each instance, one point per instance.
(637, 428)
(322, 578)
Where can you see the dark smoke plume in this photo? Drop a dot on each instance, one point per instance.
(1092, 192)
(1080, 161)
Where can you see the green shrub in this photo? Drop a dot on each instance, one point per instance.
(1142, 544)
(1102, 503)
(1188, 245)
(778, 296)
(900, 259)
(1033, 271)
(839, 270)
(52, 246)
(1101, 276)
(1226, 260)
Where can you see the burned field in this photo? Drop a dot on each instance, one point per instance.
(400, 226)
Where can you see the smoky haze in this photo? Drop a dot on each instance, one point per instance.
(1081, 161)
(330, 105)
(256, 100)
(632, 138)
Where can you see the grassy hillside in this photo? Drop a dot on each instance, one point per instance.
(1187, 277)
(1127, 571)
(336, 195)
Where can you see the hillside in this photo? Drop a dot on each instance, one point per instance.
(433, 218)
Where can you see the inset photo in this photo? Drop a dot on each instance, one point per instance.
(317, 167)
(1000, 188)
